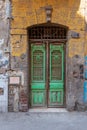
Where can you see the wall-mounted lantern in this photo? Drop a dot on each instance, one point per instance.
(48, 10)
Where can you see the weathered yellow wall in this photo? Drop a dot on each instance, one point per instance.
(30, 12)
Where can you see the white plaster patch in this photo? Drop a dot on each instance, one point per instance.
(8, 9)
(4, 95)
(4, 62)
(1, 41)
(1, 54)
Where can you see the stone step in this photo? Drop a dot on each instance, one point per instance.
(54, 110)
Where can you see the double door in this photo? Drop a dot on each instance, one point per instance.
(47, 75)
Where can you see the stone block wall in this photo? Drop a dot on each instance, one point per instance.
(4, 55)
(69, 13)
(14, 62)
(17, 101)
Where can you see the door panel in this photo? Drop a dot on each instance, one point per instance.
(56, 85)
(38, 89)
(38, 97)
(56, 97)
(47, 91)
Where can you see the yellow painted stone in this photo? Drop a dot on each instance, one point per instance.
(76, 47)
(18, 31)
(18, 44)
(30, 12)
(86, 45)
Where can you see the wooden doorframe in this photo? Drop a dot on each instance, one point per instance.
(47, 70)
(63, 41)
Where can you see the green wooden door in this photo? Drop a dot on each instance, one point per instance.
(47, 93)
(38, 83)
(56, 82)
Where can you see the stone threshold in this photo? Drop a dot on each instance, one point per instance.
(54, 110)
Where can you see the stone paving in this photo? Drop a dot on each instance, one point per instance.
(44, 121)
